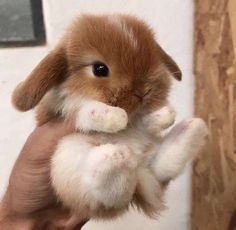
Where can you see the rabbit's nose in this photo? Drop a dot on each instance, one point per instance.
(141, 96)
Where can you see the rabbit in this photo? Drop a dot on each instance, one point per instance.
(111, 78)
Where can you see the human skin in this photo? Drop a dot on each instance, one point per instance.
(29, 202)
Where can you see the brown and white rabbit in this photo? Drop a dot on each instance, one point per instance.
(109, 75)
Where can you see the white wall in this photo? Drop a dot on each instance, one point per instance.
(172, 20)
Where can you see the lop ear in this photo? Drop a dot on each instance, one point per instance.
(170, 63)
(50, 72)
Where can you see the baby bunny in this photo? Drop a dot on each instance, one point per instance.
(110, 77)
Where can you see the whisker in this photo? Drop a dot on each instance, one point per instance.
(147, 92)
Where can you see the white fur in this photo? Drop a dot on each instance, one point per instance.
(149, 187)
(90, 115)
(179, 147)
(125, 30)
(159, 120)
(67, 167)
(101, 174)
(100, 117)
(107, 172)
(110, 173)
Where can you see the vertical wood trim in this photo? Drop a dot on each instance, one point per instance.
(214, 171)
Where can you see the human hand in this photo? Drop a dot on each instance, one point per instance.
(29, 200)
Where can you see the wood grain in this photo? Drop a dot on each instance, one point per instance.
(214, 171)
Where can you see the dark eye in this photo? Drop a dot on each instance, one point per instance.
(100, 69)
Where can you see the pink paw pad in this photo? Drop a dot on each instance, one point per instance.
(93, 112)
(191, 127)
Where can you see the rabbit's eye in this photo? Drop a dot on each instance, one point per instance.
(100, 69)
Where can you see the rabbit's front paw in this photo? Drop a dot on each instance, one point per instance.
(160, 119)
(98, 116)
(109, 119)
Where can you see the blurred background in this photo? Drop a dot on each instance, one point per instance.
(29, 29)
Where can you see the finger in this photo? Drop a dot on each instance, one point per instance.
(74, 222)
(43, 140)
(57, 217)
(61, 126)
(54, 129)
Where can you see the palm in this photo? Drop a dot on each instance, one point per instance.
(29, 191)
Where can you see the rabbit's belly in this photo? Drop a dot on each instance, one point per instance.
(139, 142)
(96, 179)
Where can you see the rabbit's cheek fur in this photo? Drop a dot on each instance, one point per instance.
(100, 91)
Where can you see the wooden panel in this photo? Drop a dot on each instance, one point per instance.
(214, 172)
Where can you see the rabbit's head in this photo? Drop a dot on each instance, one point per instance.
(110, 58)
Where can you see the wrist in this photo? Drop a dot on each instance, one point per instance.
(10, 221)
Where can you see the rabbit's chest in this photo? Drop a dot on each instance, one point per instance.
(139, 141)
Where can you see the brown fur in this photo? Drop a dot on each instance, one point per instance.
(44, 115)
(51, 71)
(146, 207)
(134, 71)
